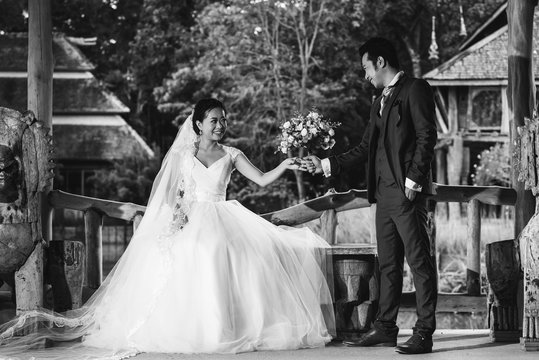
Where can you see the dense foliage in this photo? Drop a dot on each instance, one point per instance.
(264, 58)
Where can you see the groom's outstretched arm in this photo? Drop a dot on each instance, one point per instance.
(353, 157)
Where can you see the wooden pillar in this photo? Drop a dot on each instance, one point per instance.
(520, 92)
(473, 272)
(455, 159)
(93, 232)
(328, 221)
(441, 178)
(503, 273)
(521, 102)
(29, 278)
(136, 222)
(65, 268)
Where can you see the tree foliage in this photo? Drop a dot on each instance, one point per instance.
(263, 58)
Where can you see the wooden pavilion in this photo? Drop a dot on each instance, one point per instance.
(504, 316)
(472, 100)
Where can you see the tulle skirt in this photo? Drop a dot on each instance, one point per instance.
(228, 282)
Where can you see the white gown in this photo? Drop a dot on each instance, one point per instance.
(229, 282)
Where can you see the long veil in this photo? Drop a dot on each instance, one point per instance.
(77, 333)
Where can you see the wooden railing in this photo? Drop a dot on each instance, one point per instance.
(324, 207)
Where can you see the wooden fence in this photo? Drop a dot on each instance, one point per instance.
(324, 208)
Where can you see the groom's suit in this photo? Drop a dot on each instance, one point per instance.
(398, 146)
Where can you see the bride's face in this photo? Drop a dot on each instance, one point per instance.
(213, 127)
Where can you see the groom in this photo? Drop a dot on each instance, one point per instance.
(398, 146)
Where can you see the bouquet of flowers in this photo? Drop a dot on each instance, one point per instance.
(312, 131)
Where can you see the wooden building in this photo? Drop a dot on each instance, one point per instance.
(90, 131)
(472, 106)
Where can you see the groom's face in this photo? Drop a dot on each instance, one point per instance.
(372, 71)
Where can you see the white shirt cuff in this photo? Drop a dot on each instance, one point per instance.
(412, 185)
(326, 167)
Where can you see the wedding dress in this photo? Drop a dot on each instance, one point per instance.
(200, 275)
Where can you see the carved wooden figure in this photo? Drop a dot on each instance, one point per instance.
(529, 238)
(25, 173)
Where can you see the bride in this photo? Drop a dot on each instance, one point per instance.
(201, 274)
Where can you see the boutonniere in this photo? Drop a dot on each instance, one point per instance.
(397, 102)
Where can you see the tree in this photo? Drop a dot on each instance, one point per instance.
(266, 59)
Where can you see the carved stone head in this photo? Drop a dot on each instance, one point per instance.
(9, 175)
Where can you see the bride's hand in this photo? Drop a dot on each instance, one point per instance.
(292, 163)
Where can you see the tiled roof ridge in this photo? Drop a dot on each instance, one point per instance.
(463, 54)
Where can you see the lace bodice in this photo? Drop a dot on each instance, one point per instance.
(210, 182)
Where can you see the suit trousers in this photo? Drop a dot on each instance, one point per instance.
(401, 230)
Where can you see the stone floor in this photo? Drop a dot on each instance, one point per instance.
(448, 344)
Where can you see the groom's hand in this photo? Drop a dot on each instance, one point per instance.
(313, 164)
(410, 194)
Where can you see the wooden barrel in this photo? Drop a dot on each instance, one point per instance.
(503, 273)
(65, 272)
(354, 305)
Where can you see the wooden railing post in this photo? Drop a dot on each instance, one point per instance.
(328, 222)
(136, 222)
(473, 272)
(93, 233)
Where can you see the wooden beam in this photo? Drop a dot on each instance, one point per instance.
(113, 209)
(451, 303)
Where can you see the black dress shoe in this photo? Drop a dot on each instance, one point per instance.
(373, 337)
(416, 344)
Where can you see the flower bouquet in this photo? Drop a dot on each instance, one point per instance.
(311, 131)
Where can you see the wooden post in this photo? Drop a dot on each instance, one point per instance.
(520, 92)
(441, 178)
(455, 159)
(65, 269)
(503, 272)
(136, 222)
(328, 221)
(29, 278)
(521, 101)
(93, 232)
(473, 273)
(29, 282)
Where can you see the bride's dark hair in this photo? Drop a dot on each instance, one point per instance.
(202, 108)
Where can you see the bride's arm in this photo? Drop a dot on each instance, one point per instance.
(251, 172)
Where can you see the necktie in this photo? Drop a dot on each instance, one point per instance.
(385, 95)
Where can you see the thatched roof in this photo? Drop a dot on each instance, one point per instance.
(70, 95)
(14, 54)
(483, 61)
(98, 137)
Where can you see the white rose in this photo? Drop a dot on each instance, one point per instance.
(286, 125)
(304, 132)
(331, 132)
(284, 150)
(290, 139)
(326, 139)
(299, 126)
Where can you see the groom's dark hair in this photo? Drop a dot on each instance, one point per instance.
(378, 46)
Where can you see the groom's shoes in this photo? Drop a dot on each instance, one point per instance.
(416, 344)
(373, 337)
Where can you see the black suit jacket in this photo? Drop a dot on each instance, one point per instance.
(409, 130)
